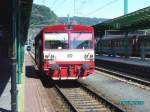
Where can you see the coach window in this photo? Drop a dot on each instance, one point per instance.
(56, 40)
(81, 40)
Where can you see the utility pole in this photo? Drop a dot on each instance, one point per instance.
(74, 7)
(68, 18)
(125, 7)
(126, 33)
(74, 21)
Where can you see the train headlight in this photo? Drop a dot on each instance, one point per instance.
(55, 67)
(85, 66)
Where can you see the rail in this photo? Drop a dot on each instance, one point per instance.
(123, 75)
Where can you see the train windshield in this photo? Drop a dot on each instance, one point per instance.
(81, 40)
(56, 40)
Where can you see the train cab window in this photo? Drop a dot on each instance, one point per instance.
(56, 40)
(81, 40)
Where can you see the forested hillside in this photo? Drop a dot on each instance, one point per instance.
(82, 20)
(42, 16)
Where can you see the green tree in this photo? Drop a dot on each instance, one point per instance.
(42, 15)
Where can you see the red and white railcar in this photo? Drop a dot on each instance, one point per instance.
(65, 51)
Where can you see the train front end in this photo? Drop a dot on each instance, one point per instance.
(69, 52)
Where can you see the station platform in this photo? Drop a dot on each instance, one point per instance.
(5, 85)
(36, 98)
(131, 61)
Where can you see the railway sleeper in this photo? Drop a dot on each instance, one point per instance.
(76, 94)
(83, 100)
(86, 103)
(89, 106)
(73, 91)
(95, 110)
(79, 97)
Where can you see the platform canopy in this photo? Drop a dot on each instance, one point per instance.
(26, 6)
(6, 16)
(139, 19)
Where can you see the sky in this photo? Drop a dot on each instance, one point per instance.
(92, 8)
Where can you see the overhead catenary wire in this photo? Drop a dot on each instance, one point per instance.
(82, 4)
(53, 4)
(60, 3)
(102, 7)
(74, 7)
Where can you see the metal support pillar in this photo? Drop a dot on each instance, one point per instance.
(19, 61)
(114, 53)
(126, 43)
(19, 56)
(142, 51)
(18, 44)
(13, 85)
(22, 56)
(13, 58)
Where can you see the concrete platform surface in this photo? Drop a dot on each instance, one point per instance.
(36, 98)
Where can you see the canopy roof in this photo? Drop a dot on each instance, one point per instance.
(136, 20)
(6, 16)
(26, 6)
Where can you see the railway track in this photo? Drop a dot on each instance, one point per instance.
(139, 71)
(129, 77)
(82, 99)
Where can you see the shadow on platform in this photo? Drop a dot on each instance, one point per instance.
(4, 110)
(47, 82)
(31, 72)
(5, 73)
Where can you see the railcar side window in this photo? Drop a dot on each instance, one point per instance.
(56, 40)
(81, 40)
